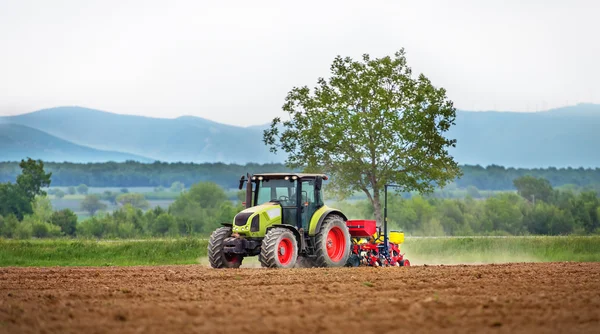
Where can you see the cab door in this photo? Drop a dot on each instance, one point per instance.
(308, 205)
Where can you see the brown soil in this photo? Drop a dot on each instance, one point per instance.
(555, 297)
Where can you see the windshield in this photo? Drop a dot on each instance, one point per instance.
(277, 189)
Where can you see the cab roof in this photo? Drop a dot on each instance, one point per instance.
(282, 175)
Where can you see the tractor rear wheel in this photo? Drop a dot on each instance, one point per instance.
(279, 249)
(332, 243)
(216, 256)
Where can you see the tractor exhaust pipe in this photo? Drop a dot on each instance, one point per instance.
(249, 191)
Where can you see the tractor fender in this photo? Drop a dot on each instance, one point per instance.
(291, 228)
(325, 214)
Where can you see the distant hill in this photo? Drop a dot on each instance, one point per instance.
(19, 142)
(564, 137)
(187, 138)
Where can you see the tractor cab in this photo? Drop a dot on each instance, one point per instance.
(299, 195)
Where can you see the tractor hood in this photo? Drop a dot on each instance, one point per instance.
(254, 221)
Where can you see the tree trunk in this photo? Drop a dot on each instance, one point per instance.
(377, 208)
(376, 203)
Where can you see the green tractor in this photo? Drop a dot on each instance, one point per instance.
(285, 222)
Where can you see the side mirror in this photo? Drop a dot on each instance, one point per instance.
(242, 179)
(318, 183)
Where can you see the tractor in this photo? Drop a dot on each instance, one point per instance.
(285, 221)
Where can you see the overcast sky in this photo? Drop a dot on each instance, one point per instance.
(234, 61)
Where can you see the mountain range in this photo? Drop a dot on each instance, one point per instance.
(563, 137)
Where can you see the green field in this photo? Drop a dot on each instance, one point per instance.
(189, 251)
(100, 253)
(502, 249)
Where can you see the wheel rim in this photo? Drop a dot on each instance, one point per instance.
(284, 251)
(336, 244)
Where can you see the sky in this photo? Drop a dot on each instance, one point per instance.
(234, 61)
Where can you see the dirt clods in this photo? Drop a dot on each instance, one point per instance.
(503, 298)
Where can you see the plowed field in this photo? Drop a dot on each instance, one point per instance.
(535, 298)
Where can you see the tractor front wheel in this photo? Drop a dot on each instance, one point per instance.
(332, 243)
(216, 256)
(279, 249)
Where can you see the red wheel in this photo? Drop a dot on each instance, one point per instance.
(284, 251)
(332, 242)
(336, 244)
(405, 263)
(279, 249)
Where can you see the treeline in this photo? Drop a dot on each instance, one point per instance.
(536, 209)
(495, 177)
(198, 211)
(135, 174)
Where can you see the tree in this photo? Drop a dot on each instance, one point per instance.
(533, 188)
(17, 198)
(66, 220)
(370, 124)
(82, 189)
(135, 200)
(8, 225)
(177, 187)
(33, 178)
(473, 192)
(14, 201)
(91, 204)
(110, 196)
(124, 190)
(71, 190)
(59, 193)
(198, 210)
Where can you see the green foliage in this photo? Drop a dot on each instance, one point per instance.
(17, 198)
(82, 189)
(14, 201)
(8, 226)
(59, 193)
(92, 204)
(110, 196)
(198, 210)
(66, 220)
(532, 188)
(370, 124)
(42, 208)
(137, 174)
(502, 214)
(33, 178)
(177, 187)
(473, 192)
(133, 199)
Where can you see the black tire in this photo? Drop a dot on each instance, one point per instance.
(323, 259)
(279, 249)
(216, 256)
(353, 261)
